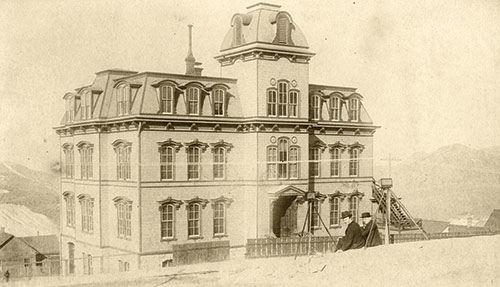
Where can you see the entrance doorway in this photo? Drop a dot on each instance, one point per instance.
(285, 216)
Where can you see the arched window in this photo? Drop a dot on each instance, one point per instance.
(167, 158)
(283, 29)
(87, 212)
(283, 158)
(282, 99)
(237, 31)
(272, 158)
(219, 162)
(315, 107)
(293, 103)
(335, 108)
(123, 150)
(272, 102)
(294, 162)
(69, 198)
(354, 207)
(69, 160)
(335, 211)
(124, 217)
(219, 218)
(123, 99)
(194, 160)
(86, 104)
(335, 163)
(219, 99)
(167, 221)
(167, 99)
(354, 109)
(193, 97)
(194, 220)
(354, 162)
(86, 153)
(315, 160)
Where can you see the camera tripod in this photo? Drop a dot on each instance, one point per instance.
(311, 208)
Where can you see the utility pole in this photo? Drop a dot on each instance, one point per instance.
(389, 160)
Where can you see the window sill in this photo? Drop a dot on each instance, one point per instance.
(168, 239)
(195, 237)
(125, 238)
(335, 226)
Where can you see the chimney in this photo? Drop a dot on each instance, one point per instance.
(191, 63)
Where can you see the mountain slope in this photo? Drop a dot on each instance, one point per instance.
(18, 220)
(35, 190)
(448, 182)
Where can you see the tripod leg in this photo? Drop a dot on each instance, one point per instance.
(301, 234)
(327, 231)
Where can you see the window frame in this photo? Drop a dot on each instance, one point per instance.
(293, 106)
(272, 102)
(69, 161)
(354, 161)
(165, 91)
(123, 217)
(336, 160)
(335, 213)
(335, 109)
(219, 162)
(218, 220)
(196, 220)
(123, 99)
(193, 162)
(87, 213)
(354, 112)
(315, 162)
(354, 207)
(219, 93)
(69, 198)
(283, 98)
(191, 102)
(315, 106)
(123, 151)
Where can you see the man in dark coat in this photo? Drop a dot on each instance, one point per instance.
(353, 238)
(370, 231)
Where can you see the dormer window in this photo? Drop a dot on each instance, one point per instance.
(283, 29)
(237, 31)
(315, 107)
(70, 109)
(335, 108)
(193, 98)
(354, 109)
(86, 104)
(123, 99)
(219, 96)
(167, 99)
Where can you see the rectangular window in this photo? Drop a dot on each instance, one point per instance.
(167, 163)
(272, 158)
(335, 163)
(123, 100)
(315, 107)
(315, 162)
(69, 162)
(282, 99)
(86, 163)
(294, 162)
(194, 163)
(354, 163)
(220, 219)
(219, 102)
(194, 217)
(294, 99)
(219, 162)
(193, 95)
(354, 109)
(335, 211)
(335, 108)
(167, 99)
(167, 221)
(271, 103)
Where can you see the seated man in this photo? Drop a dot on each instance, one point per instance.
(353, 238)
(370, 231)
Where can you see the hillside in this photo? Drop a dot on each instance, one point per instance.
(448, 182)
(36, 190)
(21, 221)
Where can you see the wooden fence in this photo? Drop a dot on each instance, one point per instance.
(405, 237)
(288, 246)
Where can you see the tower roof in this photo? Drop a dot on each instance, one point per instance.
(260, 25)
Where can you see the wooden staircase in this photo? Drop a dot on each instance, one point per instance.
(400, 216)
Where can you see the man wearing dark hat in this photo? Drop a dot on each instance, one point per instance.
(353, 238)
(370, 231)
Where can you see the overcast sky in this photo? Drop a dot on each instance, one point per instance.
(429, 70)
